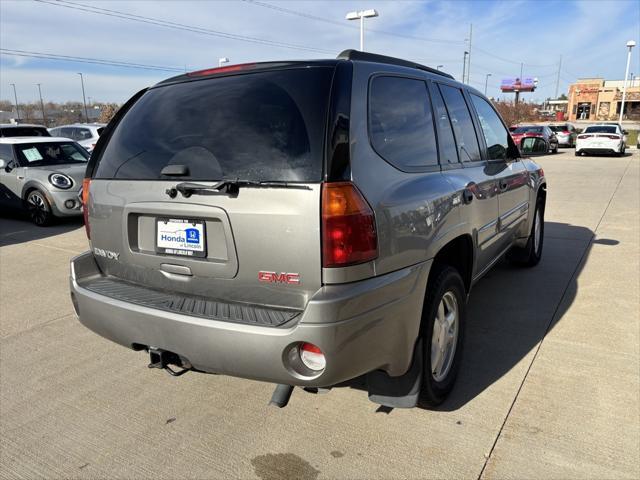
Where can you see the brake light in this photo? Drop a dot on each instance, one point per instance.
(565, 132)
(582, 137)
(348, 226)
(86, 183)
(214, 71)
(613, 137)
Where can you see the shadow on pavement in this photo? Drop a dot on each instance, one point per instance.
(512, 308)
(15, 227)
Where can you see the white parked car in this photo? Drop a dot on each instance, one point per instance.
(86, 134)
(601, 139)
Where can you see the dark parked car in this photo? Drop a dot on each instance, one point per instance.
(535, 132)
(323, 222)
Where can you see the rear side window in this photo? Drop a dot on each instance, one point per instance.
(462, 124)
(495, 134)
(401, 123)
(260, 127)
(83, 134)
(447, 142)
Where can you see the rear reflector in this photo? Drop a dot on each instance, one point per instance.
(312, 357)
(214, 71)
(86, 183)
(348, 226)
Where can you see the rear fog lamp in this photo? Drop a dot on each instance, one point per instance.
(312, 357)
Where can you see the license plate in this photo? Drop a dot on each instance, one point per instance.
(176, 236)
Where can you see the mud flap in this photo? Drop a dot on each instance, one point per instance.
(398, 392)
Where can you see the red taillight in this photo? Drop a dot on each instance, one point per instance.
(565, 132)
(613, 137)
(214, 71)
(582, 137)
(348, 226)
(86, 183)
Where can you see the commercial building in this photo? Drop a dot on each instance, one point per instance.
(599, 99)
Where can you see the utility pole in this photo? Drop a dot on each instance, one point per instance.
(521, 69)
(44, 118)
(469, 59)
(630, 45)
(15, 96)
(486, 81)
(84, 100)
(558, 77)
(464, 64)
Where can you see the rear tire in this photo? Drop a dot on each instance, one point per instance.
(442, 332)
(555, 150)
(530, 255)
(39, 208)
(577, 153)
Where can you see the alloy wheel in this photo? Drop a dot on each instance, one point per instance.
(38, 209)
(444, 337)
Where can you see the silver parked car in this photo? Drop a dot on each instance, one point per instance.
(42, 175)
(323, 222)
(86, 134)
(566, 134)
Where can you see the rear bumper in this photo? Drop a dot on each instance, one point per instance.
(362, 326)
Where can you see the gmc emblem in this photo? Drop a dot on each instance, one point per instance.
(273, 277)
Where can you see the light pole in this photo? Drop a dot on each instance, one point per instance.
(15, 96)
(222, 61)
(464, 64)
(44, 119)
(84, 100)
(361, 15)
(630, 45)
(486, 81)
(439, 67)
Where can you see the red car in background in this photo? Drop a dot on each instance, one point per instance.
(520, 132)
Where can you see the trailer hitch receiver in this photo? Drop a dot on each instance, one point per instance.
(159, 358)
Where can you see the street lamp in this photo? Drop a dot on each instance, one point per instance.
(439, 67)
(486, 81)
(361, 15)
(84, 100)
(44, 119)
(15, 96)
(464, 64)
(222, 61)
(630, 45)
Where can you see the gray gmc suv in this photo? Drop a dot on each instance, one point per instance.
(311, 224)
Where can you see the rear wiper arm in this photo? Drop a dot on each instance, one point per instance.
(229, 187)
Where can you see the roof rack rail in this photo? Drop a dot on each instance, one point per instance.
(374, 57)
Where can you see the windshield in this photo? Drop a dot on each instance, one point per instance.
(43, 154)
(559, 128)
(24, 132)
(264, 126)
(601, 129)
(528, 130)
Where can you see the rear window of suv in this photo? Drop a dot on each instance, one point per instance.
(263, 126)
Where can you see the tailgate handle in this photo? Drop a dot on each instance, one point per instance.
(175, 269)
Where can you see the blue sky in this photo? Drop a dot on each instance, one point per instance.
(590, 36)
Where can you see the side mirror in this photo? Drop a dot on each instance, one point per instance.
(534, 146)
(625, 132)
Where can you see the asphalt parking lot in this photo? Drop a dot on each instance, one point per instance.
(550, 385)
